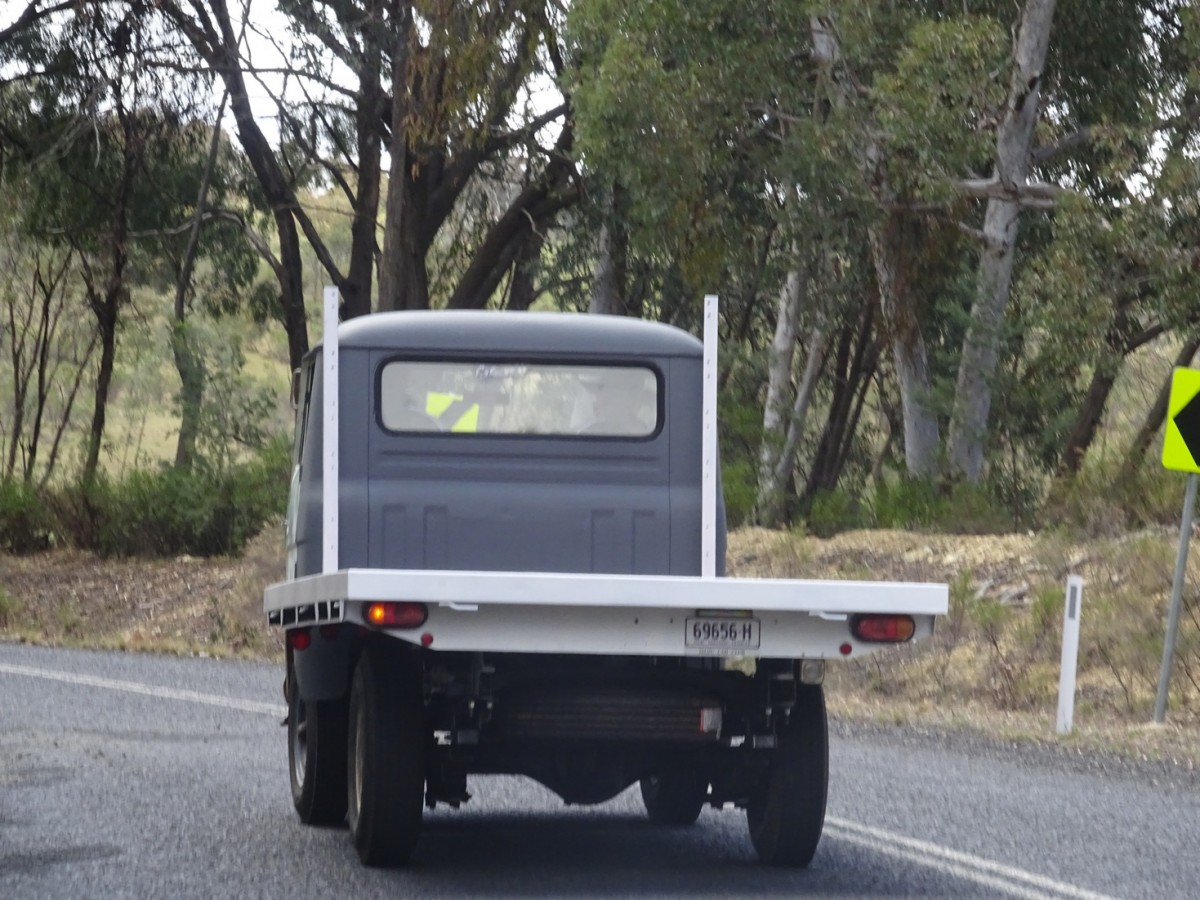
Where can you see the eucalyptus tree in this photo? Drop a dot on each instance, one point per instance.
(46, 353)
(808, 119)
(109, 140)
(87, 195)
(218, 40)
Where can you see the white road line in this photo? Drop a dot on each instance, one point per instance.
(149, 690)
(1007, 879)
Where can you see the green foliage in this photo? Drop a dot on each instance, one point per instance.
(170, 511)
(691, 150)
(739, 437)
(739, 483)
(1101, 500)
(25, 522)
(237, 414)
(935, 105)
(909, 503)
(834, 511)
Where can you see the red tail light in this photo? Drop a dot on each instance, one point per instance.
(879, 628)
(299, 638)
(395, 615)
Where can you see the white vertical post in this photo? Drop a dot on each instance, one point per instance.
(329, 449)
(708, 444)
(1070, 654)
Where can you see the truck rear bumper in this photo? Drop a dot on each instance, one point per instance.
(637, 615)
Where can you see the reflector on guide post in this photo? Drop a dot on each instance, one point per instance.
(1070, 655)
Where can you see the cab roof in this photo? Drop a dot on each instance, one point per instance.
(483, 332)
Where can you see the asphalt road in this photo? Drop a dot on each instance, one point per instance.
(142, 776)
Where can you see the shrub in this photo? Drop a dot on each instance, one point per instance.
(739, 487)
(170, 511)
(1101, 500)
(908, 503)
(977, 509)
(960, 508)
(26, 525)
(834, 511)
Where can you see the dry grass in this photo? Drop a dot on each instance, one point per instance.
(993, 665)
(182, 605)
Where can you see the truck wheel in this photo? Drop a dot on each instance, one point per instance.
(786, 811)
(385, 782)
(674, 798)
(317, 758)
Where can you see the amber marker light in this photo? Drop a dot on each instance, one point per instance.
(395, 615)
(880, 628)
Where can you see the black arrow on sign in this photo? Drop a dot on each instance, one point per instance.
(1187, 420)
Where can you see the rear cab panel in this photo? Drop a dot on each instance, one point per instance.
(474, 500)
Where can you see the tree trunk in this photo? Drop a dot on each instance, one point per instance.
(190, 367)
(1122, 337)
(219, 48)
(768, 505)
(854, 367)
(522, 291)
(612, 261)
(21, 374)
(922, 439)
(65, 419)
(921, 435)
(356, 289)
(813, 365)
(106, 305)
(188, 363)
(1091, 411)
(106, 321)
(532, 211)
(981, 348)
(403, 278)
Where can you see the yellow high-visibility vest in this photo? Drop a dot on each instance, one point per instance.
(452, 410)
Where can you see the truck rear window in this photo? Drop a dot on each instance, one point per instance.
(519, 398)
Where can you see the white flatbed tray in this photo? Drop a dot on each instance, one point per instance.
(599, 613)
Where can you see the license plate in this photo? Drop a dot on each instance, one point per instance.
(722, 634)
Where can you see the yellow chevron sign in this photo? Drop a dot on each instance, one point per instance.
(1181, 443)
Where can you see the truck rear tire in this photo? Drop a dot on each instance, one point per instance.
(317, 758)
(786, 812)
(385, 784)
(674, 798)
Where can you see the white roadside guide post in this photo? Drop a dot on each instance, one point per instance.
(1181, 451)
(329, 448)
(708, 444)
(1070, 654)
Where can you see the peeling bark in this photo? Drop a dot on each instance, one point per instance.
(922, 438)
(981, 348)
(768, 506)
(612, 262)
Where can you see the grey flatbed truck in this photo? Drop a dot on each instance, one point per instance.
(505, 553)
